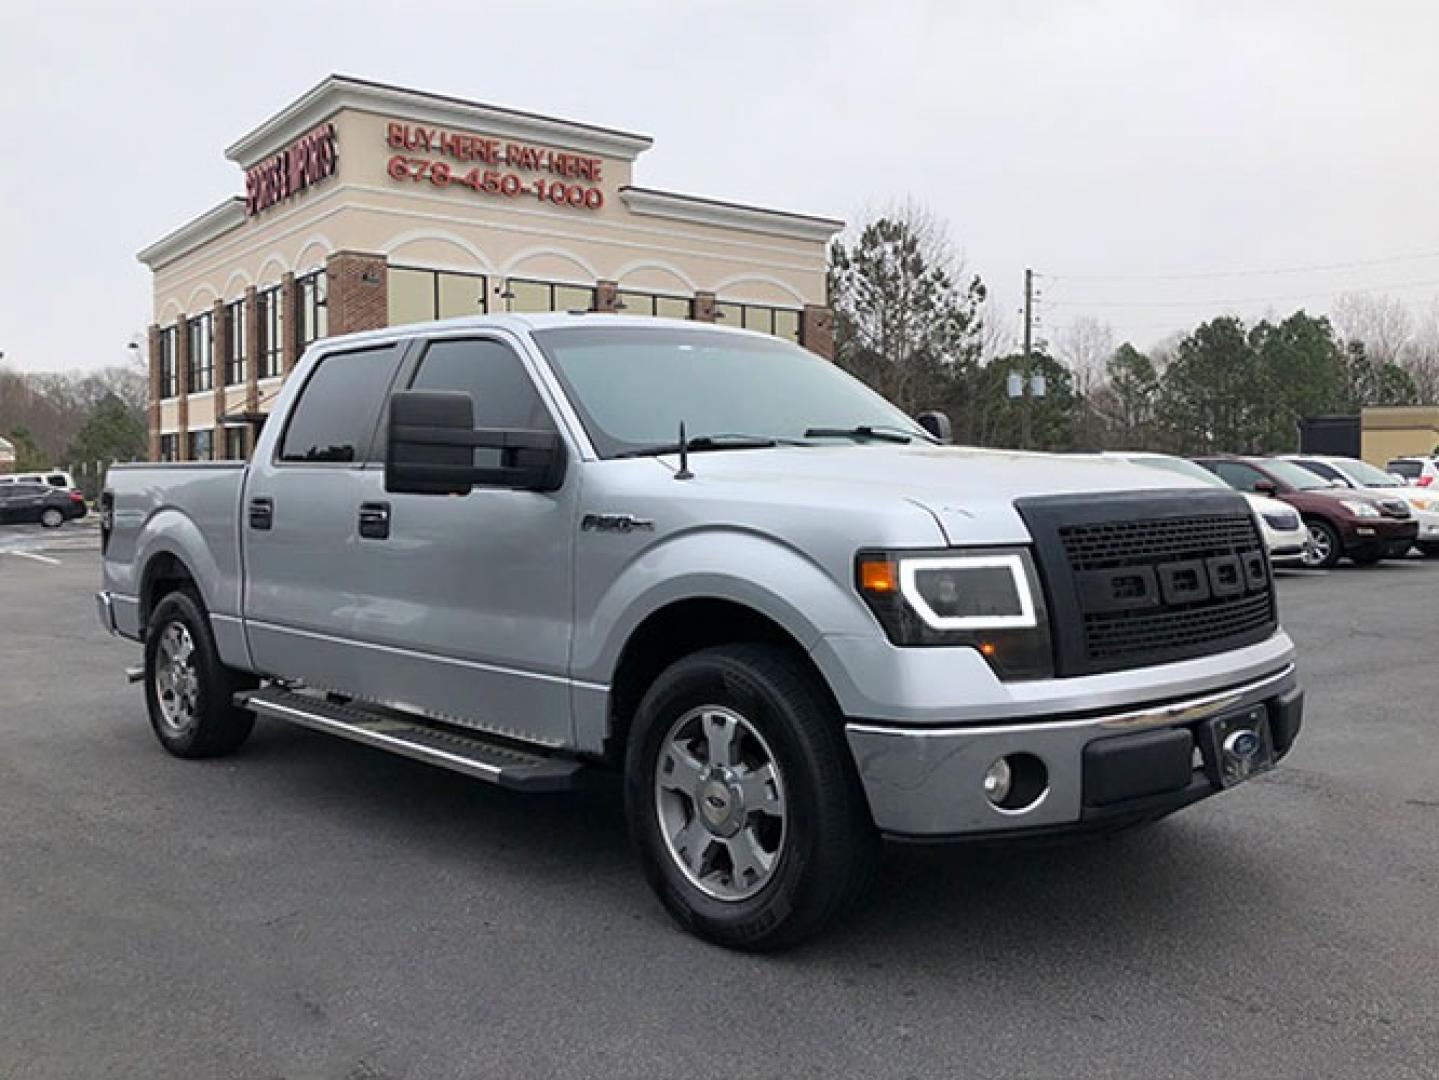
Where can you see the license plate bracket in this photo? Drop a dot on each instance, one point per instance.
(1237, 745)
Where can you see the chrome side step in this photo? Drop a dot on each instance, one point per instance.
(401, 733)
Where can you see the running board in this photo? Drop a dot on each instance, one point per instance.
(401, 733)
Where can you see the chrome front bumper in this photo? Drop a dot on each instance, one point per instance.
(105, 608)
(928, 782)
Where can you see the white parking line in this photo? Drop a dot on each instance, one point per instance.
(32, 555)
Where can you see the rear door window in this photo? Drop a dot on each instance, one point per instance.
(339, 406)
(1409, 469)
(1239, 476)
(56, 480)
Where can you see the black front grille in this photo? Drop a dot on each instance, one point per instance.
(1148, 578)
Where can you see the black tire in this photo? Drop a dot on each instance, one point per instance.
(1325, 540)
(829, 850)
(206, 724)
(51, 518)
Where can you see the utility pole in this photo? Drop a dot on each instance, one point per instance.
(1028, 347)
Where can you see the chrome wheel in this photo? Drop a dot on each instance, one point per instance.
(177, 679)
(721, 803)
(1321, 546)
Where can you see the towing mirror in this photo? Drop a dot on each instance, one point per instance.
(431, 444)
(937, 424)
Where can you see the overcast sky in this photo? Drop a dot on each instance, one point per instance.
(1090, 140)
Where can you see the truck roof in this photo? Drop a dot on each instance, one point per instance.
(521, 322)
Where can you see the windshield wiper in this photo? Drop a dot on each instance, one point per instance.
(877, 432)
(708, 442)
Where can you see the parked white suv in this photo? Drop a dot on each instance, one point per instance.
(1419, 471)
(1353, 473)
(1285, 536)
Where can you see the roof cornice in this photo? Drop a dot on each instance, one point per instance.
(725, 215)
(338, 92)
(210, 225)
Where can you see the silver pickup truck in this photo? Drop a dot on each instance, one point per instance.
(529, 548)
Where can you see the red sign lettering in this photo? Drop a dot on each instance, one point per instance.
(305, 162)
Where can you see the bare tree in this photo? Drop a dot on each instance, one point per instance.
(1382, 324)
(1086, 345)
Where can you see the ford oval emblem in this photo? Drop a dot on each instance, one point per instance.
(1242, 744)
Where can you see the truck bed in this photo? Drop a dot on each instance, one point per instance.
(191, 508)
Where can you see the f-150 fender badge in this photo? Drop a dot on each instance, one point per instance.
(615, 523)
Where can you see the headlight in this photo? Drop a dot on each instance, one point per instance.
(1282, 522)
(1360, 509)
(988, 599)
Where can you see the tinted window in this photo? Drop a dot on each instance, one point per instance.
(1320, 468)
(1411, 469)
(56, 480)
(633, 386)
(334, 420)
(1238, 476)
(496, 380)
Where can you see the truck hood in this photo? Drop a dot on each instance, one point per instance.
(970, 491)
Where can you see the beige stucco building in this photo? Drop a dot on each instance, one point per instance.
(1395, 431)
(368, 205)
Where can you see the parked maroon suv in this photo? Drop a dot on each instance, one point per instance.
(1341, 522)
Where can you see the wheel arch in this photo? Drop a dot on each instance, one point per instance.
(683, 627)
(165, 572)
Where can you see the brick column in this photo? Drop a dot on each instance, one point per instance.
(290, 328)
(703, 308)
(182, 378)
(816, 330)
(153, 406)
(607, 296)
(252, 360)
(357, 292)
(219, 350)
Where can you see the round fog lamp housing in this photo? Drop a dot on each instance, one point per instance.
(997, 780)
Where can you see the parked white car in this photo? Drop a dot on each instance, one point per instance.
(55, 478)
(1285, 535)
(1353, 473)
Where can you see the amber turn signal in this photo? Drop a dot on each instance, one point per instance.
(879, 576)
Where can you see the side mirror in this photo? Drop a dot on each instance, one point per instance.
(1266, 487)
(431, 441)
(937, 424)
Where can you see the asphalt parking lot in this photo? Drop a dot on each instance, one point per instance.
(311, 908)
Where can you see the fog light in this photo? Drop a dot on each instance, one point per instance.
(997, 779)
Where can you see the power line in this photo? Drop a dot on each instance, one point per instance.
(1430, 284)
(1316, 268)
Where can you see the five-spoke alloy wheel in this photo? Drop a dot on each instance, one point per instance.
(188, 689)
(720, 800)
(743, 800)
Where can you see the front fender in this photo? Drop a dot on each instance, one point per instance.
(722, 563)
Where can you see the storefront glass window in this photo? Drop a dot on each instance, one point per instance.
(412, 296)
(235, 444)
(169, 370)
(781, 322)
(202, 445)
(272, 327)
(235, 343)
(528, 296)
(169, 447)
(572, 298)
(786, 324)
(461, 294)
(672, 307)
(201, 360)
(730, 315)
(314, 309)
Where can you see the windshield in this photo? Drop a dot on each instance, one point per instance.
(1181, 466)
(1366, 475)
(1296, 476)
(632, 386)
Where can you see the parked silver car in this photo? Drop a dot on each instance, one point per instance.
(525, 547)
